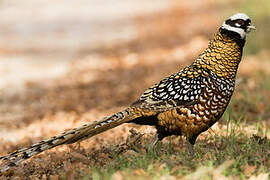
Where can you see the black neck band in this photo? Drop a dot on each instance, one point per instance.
(234, 36)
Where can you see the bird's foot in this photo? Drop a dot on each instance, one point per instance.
(155, 141)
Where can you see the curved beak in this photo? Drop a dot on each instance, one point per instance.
(251, 27)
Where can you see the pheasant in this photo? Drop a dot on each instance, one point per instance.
(185, 103)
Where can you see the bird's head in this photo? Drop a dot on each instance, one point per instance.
(238, 26)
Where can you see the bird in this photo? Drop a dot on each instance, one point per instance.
(186, 103)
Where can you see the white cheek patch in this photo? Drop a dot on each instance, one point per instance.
(240, 31)
(238, 25)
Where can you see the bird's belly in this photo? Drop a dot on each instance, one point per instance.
(194, 119)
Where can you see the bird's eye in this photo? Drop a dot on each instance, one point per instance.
(240, 22)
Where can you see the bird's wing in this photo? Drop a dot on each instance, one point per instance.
(179, 89)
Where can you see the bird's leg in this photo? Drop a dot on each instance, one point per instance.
(181, 141)
(155, 140)
(190, 145)
(190, 149)
(158, 137)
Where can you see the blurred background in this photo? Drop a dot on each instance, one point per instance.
(66, 62)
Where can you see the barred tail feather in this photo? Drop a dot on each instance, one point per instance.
(68, 137)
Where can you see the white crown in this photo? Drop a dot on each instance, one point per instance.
(239, 16)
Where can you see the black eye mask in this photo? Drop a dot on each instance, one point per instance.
(243, 23)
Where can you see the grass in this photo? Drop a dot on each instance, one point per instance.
(231, 155)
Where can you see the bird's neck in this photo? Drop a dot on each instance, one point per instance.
(234, 36)
(222, 56)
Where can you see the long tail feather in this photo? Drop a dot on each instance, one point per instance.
(68, 137)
